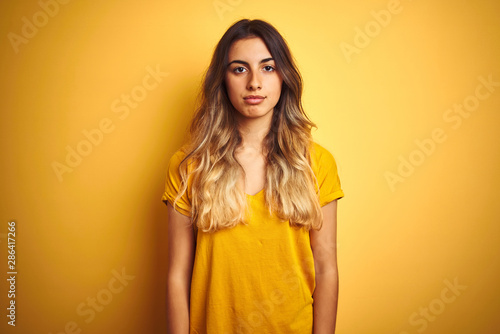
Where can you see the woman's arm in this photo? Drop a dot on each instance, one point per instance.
(181, 246)
(325, 296)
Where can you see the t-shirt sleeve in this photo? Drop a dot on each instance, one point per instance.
(173, 185)
(325, 168)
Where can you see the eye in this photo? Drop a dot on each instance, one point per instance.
(269, 68)
(239, 69)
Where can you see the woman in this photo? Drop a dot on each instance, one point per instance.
(252, 200)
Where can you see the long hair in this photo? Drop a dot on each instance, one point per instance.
(210, 167)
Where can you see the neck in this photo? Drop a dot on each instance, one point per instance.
(253, 132)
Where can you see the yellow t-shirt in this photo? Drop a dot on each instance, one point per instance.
(259, 277)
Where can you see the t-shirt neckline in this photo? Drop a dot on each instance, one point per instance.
(255, 195)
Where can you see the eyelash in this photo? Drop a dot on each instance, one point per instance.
(236, 69)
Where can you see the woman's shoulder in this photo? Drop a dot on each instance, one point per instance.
(175, 162)
(322, 161)
(319, 154)
(178, 156)
(325, 169)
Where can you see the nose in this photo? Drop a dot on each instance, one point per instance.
(255, 81)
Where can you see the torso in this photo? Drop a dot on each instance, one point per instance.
(254, 278)
(257, 277)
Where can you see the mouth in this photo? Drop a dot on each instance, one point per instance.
(254, 99)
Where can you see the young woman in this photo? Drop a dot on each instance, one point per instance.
(252, 200)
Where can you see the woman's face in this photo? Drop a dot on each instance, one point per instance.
(252, 81)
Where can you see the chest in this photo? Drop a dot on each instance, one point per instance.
(254, 167)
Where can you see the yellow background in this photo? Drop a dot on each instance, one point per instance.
(397, 245)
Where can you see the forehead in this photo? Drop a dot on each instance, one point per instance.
(248, 49)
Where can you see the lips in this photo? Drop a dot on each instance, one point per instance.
(254, 99)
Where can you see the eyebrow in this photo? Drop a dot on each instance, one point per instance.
(265, 60)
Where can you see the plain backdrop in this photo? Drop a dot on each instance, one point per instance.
(96, 97)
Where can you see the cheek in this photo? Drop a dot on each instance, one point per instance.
(277, 87)
(232, 91)
(231, 87)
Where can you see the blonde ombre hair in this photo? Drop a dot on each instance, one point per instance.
(210, 167)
